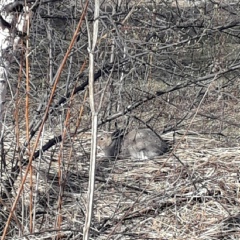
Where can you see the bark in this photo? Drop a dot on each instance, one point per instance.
(11, 31)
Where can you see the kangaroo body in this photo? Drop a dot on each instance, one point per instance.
(137, 144)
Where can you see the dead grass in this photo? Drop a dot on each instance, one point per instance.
(192, 192)
(156, 199)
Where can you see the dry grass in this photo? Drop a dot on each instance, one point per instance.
(192, 192)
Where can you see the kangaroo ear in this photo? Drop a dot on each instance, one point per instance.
(118, 134)
(116, 126)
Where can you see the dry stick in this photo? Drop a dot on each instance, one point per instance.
(94, 124)
(17, 130)
(45, 117)
(27, 127)
(91, 181)
(163, 164)
(123, 21)
(78, 122)
(60, 170)
(80, 115)
(62, 181)
(6, 206)
(58, 139)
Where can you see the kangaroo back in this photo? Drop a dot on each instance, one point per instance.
(144, 144)
(137, 144)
